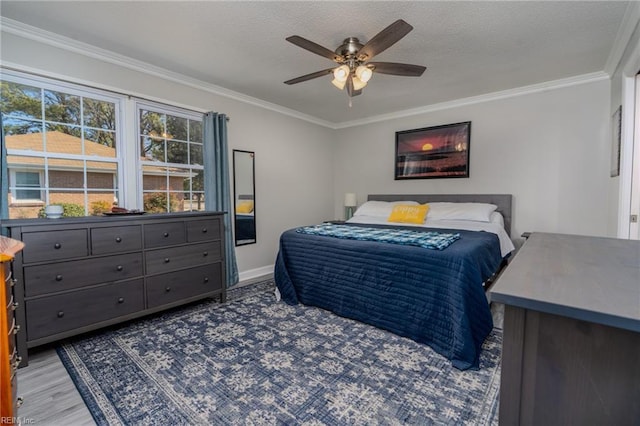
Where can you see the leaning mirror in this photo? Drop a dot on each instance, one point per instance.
(244, 197)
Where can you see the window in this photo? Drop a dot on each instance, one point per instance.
(61, 147)
(66, 144)
(170, 159)
(25, 180)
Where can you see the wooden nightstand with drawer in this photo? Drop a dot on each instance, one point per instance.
(81, 274)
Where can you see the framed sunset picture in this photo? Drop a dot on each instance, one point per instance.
(433, 152)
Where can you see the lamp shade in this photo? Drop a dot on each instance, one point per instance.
(350, 199)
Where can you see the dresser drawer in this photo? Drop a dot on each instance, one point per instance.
(55, 314)
(164, 234)
(170, 259)
(54, 245)
(116, 239)
(203, 230)
(42, 279)
(175, 286)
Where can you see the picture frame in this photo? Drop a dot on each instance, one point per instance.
(436, 152)
(616, 133)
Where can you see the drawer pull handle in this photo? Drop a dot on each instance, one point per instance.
(16, 329)
(118, 240)
(121, 300)
(60, 314)
(167, 289)
(205, 254)
(58, 277)
(206, 279)
(15, 306)
(119, 268)
(57, 246)
(166, 234)
(17, 362)
(204, 230)
(167, 260)
(14, 281)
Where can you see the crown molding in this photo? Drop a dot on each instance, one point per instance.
(510, 93)
(629, 23)
(46, 37)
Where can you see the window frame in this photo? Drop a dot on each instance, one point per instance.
(142, 104)
(129, 177)
(14, 187)
(50, 84)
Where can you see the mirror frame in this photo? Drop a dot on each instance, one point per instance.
(236, 195)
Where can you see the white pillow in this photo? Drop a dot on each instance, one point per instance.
(478, 212)
(497, 218)
(380, 208)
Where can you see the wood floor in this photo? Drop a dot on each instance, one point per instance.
(49, 395)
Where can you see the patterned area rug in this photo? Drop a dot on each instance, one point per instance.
(257, 361)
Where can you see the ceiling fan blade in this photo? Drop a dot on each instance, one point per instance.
(384, 39)
(393, 68)
(309, 76)
(315, 48)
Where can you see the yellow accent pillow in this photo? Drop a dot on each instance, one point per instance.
(244, 207)
(409, 214)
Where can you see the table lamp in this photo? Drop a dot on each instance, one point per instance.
(350, 203)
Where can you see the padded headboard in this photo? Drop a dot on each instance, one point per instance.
(503, 201)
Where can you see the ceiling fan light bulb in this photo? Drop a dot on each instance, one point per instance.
(357, 83)
(339, 84)
(341, 73)
(364, 73)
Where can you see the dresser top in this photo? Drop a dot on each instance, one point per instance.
(586, 278)
(93, 219)
(8, 248)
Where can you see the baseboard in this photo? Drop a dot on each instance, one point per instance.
(247, 276)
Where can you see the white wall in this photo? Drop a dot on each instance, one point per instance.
(620, 187)
(549, 149)
(293, 157)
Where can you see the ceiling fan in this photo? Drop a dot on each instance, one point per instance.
(355, 70)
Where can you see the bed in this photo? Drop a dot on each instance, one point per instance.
(245, 219)
(433, 296)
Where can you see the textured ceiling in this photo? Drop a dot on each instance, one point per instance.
(469, 48)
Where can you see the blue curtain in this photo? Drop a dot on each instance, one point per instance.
(4, 180)
(217, 184)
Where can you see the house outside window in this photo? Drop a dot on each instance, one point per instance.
(170, 159)
(61, 147)
(72, 145)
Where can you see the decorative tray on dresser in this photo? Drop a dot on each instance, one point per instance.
(9, 359)
(81, 274)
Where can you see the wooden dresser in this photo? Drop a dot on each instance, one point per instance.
(81, 274)
(571, 344)
(9, 359)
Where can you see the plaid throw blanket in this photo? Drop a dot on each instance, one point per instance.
(429, 240)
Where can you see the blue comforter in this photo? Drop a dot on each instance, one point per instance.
(433, 297)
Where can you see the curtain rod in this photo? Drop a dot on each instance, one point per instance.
(117, 92)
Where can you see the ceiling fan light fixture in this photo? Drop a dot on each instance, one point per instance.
(358, 84)
(341, 73)
(364, 73)
(339, 84)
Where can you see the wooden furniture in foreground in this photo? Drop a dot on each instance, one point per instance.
(9, 359)
(81, 274)
(571, 345)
